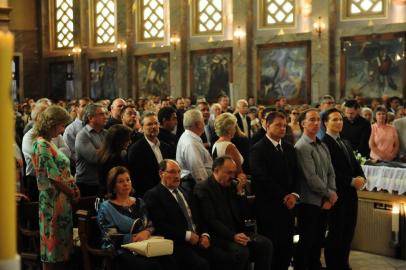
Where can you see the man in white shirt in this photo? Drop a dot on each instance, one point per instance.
(145, 155)
(192, 156)
(243, 120)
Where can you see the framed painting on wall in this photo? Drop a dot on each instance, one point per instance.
(373, 65)
(211, 73)
(153, 77)
(283, 70)
(103, 78)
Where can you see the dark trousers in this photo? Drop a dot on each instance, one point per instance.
(312, 223)
(128, 260)
(279, 228)
(31, 188)
(342, 222)
(88, 190)
(190, 257)
(259, 250)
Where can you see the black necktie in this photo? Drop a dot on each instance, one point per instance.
(183, 207)
(279, 148)
(344, 149)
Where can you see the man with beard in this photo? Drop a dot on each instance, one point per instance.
(145, 155)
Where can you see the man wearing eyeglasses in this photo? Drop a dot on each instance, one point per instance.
(175, 217)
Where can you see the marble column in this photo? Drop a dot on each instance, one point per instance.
(320, 50)
(122, 59)
(178, 49)
(240, 45)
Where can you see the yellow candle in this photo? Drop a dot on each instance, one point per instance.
(8, 225)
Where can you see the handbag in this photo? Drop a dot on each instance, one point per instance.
(152, 247)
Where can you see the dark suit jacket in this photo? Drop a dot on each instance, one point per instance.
(344, 170)
(274, 174)
(240, 124)
(143, 165)
(222, 211)
(357, 133)
(167, 216)
(258, 136)
(169, 138)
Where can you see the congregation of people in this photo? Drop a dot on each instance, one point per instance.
(230, 186)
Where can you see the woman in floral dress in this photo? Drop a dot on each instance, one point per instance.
(56, 189)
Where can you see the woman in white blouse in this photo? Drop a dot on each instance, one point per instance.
(226, 127)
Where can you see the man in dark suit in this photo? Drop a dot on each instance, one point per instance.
(356, 129)
(145, 155)
(275, 175)
(174, 217)
(222, 204)
(262, 131)
(168, 121)
(243, 120)
(349, 179)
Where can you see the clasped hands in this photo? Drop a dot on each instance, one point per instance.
(358, 182)
(203, 241)
(141, 236)
(242, 182)
(241, 238)
(327, 204)
(290, 201)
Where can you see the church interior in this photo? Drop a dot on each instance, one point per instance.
(264, 50)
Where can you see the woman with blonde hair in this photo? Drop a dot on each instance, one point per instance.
(226, 127)
(56, 188)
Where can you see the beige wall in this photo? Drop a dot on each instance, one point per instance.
(22, 15)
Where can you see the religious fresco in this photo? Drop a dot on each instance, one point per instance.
(153, 76)
(103, 78)
(373, 65)
(284, 71)
(61, 74)
(211, 73)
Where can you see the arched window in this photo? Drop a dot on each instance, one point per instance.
(367, 9)
(208, 17)
(277, 13)
(62, 24)
(104, 22)
(151, 19)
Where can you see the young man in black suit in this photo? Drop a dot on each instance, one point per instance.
(275, 182)
(145, 155)
(349, 179)
(175, 218)
(222, 204)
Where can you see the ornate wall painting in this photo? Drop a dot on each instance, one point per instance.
(211, 73)
(373, 65)
(153, 77)
(103, 78)
(283, 70)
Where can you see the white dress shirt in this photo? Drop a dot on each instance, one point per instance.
(193, 157)
(155, 149)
